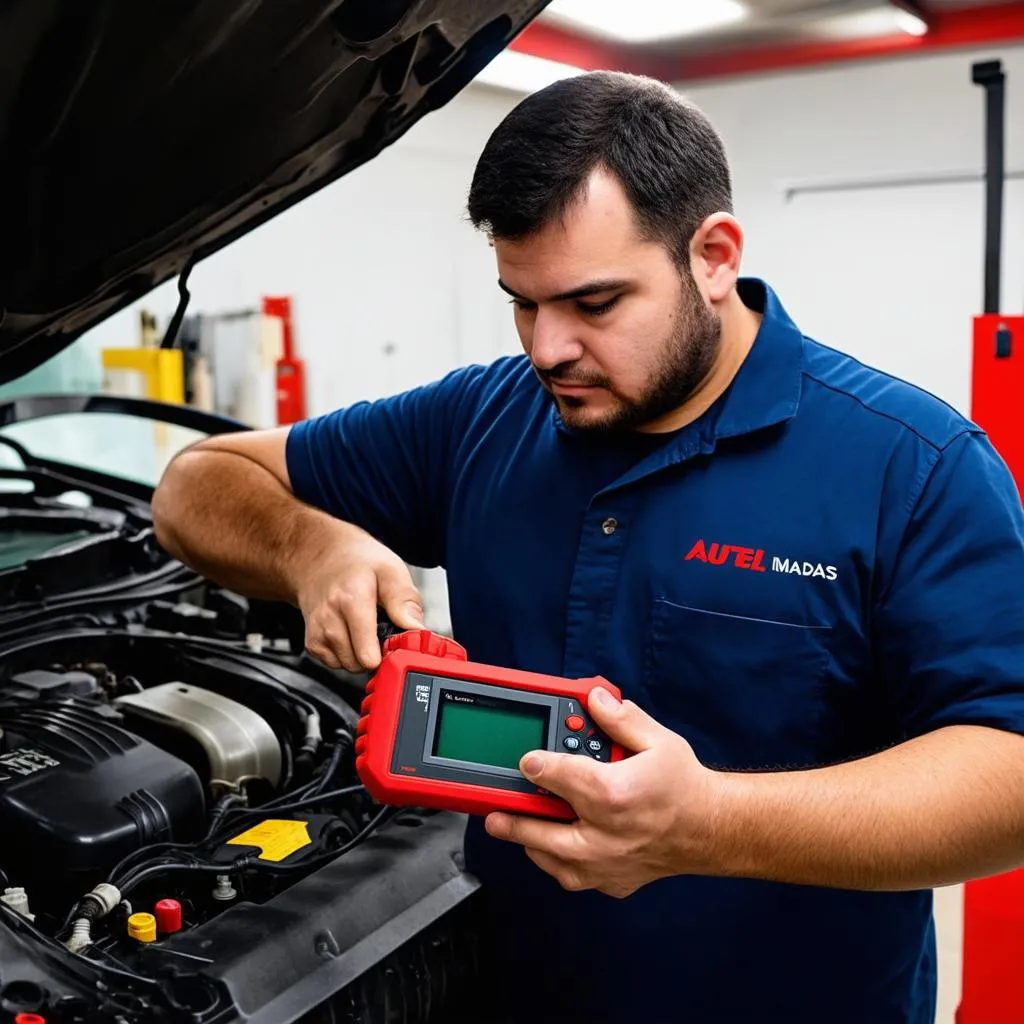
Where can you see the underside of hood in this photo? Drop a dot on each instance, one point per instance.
(137, 138)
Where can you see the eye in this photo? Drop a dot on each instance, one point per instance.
(522, 305)
(596, 309)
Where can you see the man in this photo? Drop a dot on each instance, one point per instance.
(804, 575)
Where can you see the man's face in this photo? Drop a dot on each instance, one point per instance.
(617, 332)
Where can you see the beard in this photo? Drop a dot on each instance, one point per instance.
(687, 358)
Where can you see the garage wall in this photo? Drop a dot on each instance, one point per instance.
(892, 274)
(392, 287)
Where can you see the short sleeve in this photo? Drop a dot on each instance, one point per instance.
(386, 465)
(949, 629)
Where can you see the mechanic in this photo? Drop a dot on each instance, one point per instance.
(805, 576)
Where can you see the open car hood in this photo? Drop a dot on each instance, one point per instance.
(137, 138)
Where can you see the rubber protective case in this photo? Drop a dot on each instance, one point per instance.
(426, 652)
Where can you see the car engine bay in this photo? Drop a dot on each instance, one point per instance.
(149, 784)
(183, 835)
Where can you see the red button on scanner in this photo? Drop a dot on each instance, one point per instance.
(575, 722)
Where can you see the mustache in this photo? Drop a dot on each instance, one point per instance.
(569, 376)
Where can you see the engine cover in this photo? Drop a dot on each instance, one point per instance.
(78, 792)
(224, 740)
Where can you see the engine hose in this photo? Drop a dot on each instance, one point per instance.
(91, 907)
(342, 739)
(223, 806)
(293, 805)
(81, 935)
(379, 819)
(152, 870)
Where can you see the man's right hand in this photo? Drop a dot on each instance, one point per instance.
(226, 507)
(340, 596)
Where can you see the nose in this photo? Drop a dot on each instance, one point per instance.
(553, 340)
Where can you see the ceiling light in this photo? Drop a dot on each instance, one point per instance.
(880, 21)
(521, 72)
(910, 22)
(644, 21)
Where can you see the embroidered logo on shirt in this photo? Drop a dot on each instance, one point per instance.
(754, 560)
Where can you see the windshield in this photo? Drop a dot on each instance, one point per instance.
(124, 446)
(130, 447)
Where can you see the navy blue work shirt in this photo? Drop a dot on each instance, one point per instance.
(828, 562)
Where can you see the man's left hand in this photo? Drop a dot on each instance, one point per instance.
(646, 817)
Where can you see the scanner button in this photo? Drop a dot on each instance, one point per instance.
(575, 722)
(571, 743)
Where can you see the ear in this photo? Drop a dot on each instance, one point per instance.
(716, 251)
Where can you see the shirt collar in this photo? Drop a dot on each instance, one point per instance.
(766, 389)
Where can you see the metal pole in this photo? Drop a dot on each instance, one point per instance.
(989, 74)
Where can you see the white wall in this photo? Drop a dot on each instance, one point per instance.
(892, 275)
(392, 286)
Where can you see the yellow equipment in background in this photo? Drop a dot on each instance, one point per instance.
(162, 370)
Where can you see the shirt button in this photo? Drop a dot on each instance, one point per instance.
(610, 525)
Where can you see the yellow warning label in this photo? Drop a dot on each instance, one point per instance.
(276, 839)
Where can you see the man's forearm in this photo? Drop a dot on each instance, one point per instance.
(241, 527)
(936, 810)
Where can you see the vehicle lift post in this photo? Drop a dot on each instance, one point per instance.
(993, 938)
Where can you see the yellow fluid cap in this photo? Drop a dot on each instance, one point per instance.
(142, 927)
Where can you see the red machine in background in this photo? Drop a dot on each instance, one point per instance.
(291, 379)
(997, 391)
(993, 946)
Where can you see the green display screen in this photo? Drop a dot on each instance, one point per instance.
(486, 733)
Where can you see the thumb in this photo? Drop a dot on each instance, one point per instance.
(623, 721)
(398, 596)
(565, 775)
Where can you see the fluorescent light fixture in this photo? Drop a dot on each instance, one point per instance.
(645, 21)
(879, 21)
(910, 22)
(521, 72)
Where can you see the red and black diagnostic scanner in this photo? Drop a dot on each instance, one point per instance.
(439, 731)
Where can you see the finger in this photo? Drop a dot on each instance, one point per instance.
(322, 653)
(579, 781)
(333, 635)
(546, 836)
(624, 722)
(317, 644)
(569, 876)
(399, 597)
(356, 606)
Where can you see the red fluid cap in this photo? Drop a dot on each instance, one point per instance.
(168, 916)
(425, 642)
(29, 1018)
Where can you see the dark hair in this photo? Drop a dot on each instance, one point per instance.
(665, 152)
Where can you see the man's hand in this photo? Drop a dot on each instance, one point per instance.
(942, 808)
(339, 595)
(647, 817)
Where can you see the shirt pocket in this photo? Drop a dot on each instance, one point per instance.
(747, 693)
